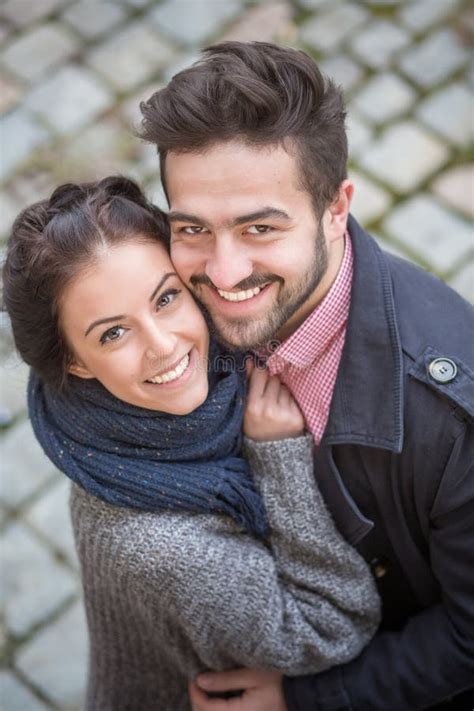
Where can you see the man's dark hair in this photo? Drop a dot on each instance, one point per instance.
(52, 241)
(261, 94)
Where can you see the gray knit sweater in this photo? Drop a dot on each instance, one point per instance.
(171, 594)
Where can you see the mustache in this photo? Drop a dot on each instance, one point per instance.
(255, 279)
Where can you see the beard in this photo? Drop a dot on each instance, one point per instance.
(244, 334)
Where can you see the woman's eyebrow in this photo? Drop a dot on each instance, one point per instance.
(119, 317)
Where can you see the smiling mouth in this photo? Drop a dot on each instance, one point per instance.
(241, 295)
(171, 375)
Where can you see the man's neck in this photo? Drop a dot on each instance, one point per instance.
(336, 254)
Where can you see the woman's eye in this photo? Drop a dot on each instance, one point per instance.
(112, 334)
(167, 298)
(259, 229)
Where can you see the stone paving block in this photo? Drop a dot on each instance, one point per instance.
(370, 201)
(20, 134)
(92, 19)
(430, 230)
(377, 44)
(450, 112)
(25, 468)
(50, 515)
(268, 22)
(384, 97)
(130, 108)
(9, 209)
(421, 15)
(456, 188)
(358, 134)
(70, 99)
(101, 149)
(404, 156)
(13, 379)
(156, 194)
(326, 30)
(15, 696)
(32, 185)
(342, 70)
(26, 12)
(33, 584)
(38, 50)
(5, 31)
(463, 282)
(129, 57)
(10, 94)
(193, 21)
(391, 247)
(313, 4)
(435, 59)
(61, 647)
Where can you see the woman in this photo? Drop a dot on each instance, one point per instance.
(189, 560)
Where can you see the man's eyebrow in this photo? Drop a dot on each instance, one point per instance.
(262, 214)
(110, 319)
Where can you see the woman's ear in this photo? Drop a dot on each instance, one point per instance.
(79, 369)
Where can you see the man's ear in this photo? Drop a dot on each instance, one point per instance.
(79, 369)
(338, 211)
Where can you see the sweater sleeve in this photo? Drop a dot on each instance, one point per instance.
(301, 603)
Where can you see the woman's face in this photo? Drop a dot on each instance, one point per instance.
(129, 322)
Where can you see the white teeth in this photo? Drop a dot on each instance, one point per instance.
(171, 374)
(239, 295)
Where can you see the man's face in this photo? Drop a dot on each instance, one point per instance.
(246, 240)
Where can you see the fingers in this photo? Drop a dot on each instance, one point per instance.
(200, 701)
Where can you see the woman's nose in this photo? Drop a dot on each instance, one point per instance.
(160, 345)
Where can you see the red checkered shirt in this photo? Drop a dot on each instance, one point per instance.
(308, 360)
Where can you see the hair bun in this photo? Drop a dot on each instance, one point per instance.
(119, 186)
(66, 196)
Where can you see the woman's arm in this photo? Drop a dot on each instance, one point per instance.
(301, 604)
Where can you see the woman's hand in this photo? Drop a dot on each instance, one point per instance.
(271, 412)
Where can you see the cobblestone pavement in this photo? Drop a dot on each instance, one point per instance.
(73, 73)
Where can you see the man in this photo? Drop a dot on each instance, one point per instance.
(253, 159)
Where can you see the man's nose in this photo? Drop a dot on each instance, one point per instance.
(228, 264)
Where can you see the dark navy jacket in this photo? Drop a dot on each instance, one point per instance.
(396, 467)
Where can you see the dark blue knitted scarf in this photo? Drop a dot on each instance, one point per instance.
(143, 459)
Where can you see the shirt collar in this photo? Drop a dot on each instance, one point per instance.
(325, 322)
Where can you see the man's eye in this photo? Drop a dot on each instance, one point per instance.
(259, 229)
(112, 334)
(167, 298)
(193, 230)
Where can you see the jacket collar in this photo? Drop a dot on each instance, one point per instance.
(367, 404)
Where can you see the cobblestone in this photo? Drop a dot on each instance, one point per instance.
(379, 42)
(61, 646)
(456, 188)
(369, 201)
(343, 71)
(434, 59)
(404, 156)
(10, 93)
(20, 134)
(426, 227)
(18, 697)
(26, 12)
(326, 31)
(13, 379)
(93, 20)
(35, 52)
(29, 595)
(463, 281)
(384, 97)
(450, 112)
(268, 22)
(70, 99)
(418, 16)
(129, 57)
(193, 21)
(20, 452)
